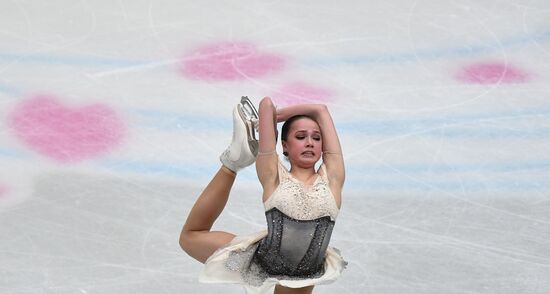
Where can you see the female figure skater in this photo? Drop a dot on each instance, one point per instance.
(301, 204)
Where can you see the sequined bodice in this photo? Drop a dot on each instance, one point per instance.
(300, 220)
(294, 247)
(302, 202)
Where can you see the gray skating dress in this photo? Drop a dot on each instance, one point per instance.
(293, 251)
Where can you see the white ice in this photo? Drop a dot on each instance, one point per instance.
(448, 182)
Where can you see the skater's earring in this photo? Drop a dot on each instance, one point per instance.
(285, 153)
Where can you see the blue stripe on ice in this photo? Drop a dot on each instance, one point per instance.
(467, 185)
(465, 126)
(151, 167)
(401, 176)
(394, 176)
(194, 169)
(11, 153)
(52, 59)
(9, 90)
(433, 54)
(392, 58)
(174, 121)
(426, 167)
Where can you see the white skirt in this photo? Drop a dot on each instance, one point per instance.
(219, 268)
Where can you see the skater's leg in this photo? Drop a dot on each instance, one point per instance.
(284, 290)
(196, 238)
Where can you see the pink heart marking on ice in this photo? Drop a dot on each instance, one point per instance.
(492, 73)
(300, 92)
(227, 61)
(66, 134)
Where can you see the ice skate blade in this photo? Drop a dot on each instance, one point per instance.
(249, 107)
(249, 116)
(250, 132)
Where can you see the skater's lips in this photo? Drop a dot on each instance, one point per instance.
(308, 153)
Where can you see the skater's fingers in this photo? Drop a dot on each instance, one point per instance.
(280, 118)
(282, 114)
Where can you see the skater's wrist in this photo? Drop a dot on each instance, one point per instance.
(264, 153)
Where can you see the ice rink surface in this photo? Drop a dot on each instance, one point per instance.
(114, 113)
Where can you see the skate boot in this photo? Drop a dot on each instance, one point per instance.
(244, 146)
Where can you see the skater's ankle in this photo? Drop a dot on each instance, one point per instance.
(228, 171)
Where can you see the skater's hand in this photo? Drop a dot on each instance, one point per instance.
(281, 117)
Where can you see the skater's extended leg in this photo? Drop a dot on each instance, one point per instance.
(196, 238)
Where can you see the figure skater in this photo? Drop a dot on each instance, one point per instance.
(301, 204)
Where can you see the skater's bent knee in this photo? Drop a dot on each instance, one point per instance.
(201, 244)
(186, 240)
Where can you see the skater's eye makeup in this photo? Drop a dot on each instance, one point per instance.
(303, 134)
(300, 135)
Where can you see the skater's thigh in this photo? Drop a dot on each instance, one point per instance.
(201, 244)
(284, 290)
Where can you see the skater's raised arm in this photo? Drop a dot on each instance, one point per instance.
(267, 160)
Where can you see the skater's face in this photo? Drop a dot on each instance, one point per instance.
(304, 142)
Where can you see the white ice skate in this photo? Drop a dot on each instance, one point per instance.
(244, 146)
